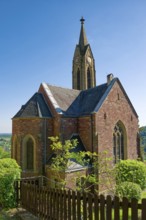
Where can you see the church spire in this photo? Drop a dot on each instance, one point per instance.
(82, 39)
(83, 69)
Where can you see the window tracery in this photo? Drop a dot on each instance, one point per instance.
(118, 143)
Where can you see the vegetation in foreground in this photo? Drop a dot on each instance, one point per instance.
(126, 179)
(5, 146)
(142, 132)
(10, 171)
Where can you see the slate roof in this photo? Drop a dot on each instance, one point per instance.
(69, 102)
(75, 103)
(60, 97)
(35, 107)
(86, 102)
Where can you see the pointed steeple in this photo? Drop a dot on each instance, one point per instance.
(83, 69)
(83, 39)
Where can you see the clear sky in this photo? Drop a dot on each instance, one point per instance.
(38, 38)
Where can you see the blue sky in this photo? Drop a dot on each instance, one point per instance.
(38, 38)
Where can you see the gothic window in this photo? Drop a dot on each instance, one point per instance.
(118, 143)
(88, 79)
(104, 115)
(118, 96)
(29, 154)
(78, 79)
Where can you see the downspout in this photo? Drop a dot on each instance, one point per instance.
(92, 142)
(92, 131)
(45, 144)
(45, 147)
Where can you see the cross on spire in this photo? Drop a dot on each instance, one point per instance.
(82, 20)
(82, 40)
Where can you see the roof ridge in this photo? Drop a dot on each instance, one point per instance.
(60, 87)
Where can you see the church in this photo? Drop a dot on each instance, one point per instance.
(100, 117)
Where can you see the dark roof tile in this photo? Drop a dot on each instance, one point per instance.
(35, 107)
(63, 96)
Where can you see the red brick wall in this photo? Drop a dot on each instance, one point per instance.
(68, 127)
(68, 177)
(40, 130)
(96, 131)
(85, 131)
(116, 108)
(71, 178)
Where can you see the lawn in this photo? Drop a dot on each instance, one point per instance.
(143, 195)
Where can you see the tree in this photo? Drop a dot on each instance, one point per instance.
(142, 133)
(10, 171)
(4, 154)
(65, 156)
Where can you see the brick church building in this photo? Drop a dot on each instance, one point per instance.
(101, 117)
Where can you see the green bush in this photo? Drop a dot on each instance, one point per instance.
(131, 171)
(10, 171)
(129, 190)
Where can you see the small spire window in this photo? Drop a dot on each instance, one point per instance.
(88, 79)
(78, 79)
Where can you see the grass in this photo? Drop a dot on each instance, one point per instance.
(5, 215)
(143, 195)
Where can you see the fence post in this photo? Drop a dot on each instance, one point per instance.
(134, 209)
(84, 205)
(116, 208)
(41, 181)
(125, 208)
(108, 208)
(143, 209)
(96, 207)
(102, 207)
(16, 188)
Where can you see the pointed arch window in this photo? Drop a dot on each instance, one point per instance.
(78, 79)
(118, 143)
(29, 154)
(88, 79)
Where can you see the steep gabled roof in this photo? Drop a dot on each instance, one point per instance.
(61, 98)
(72, 102)
(86, 102)
(35, 107)
(75, 103)
(69, 102)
